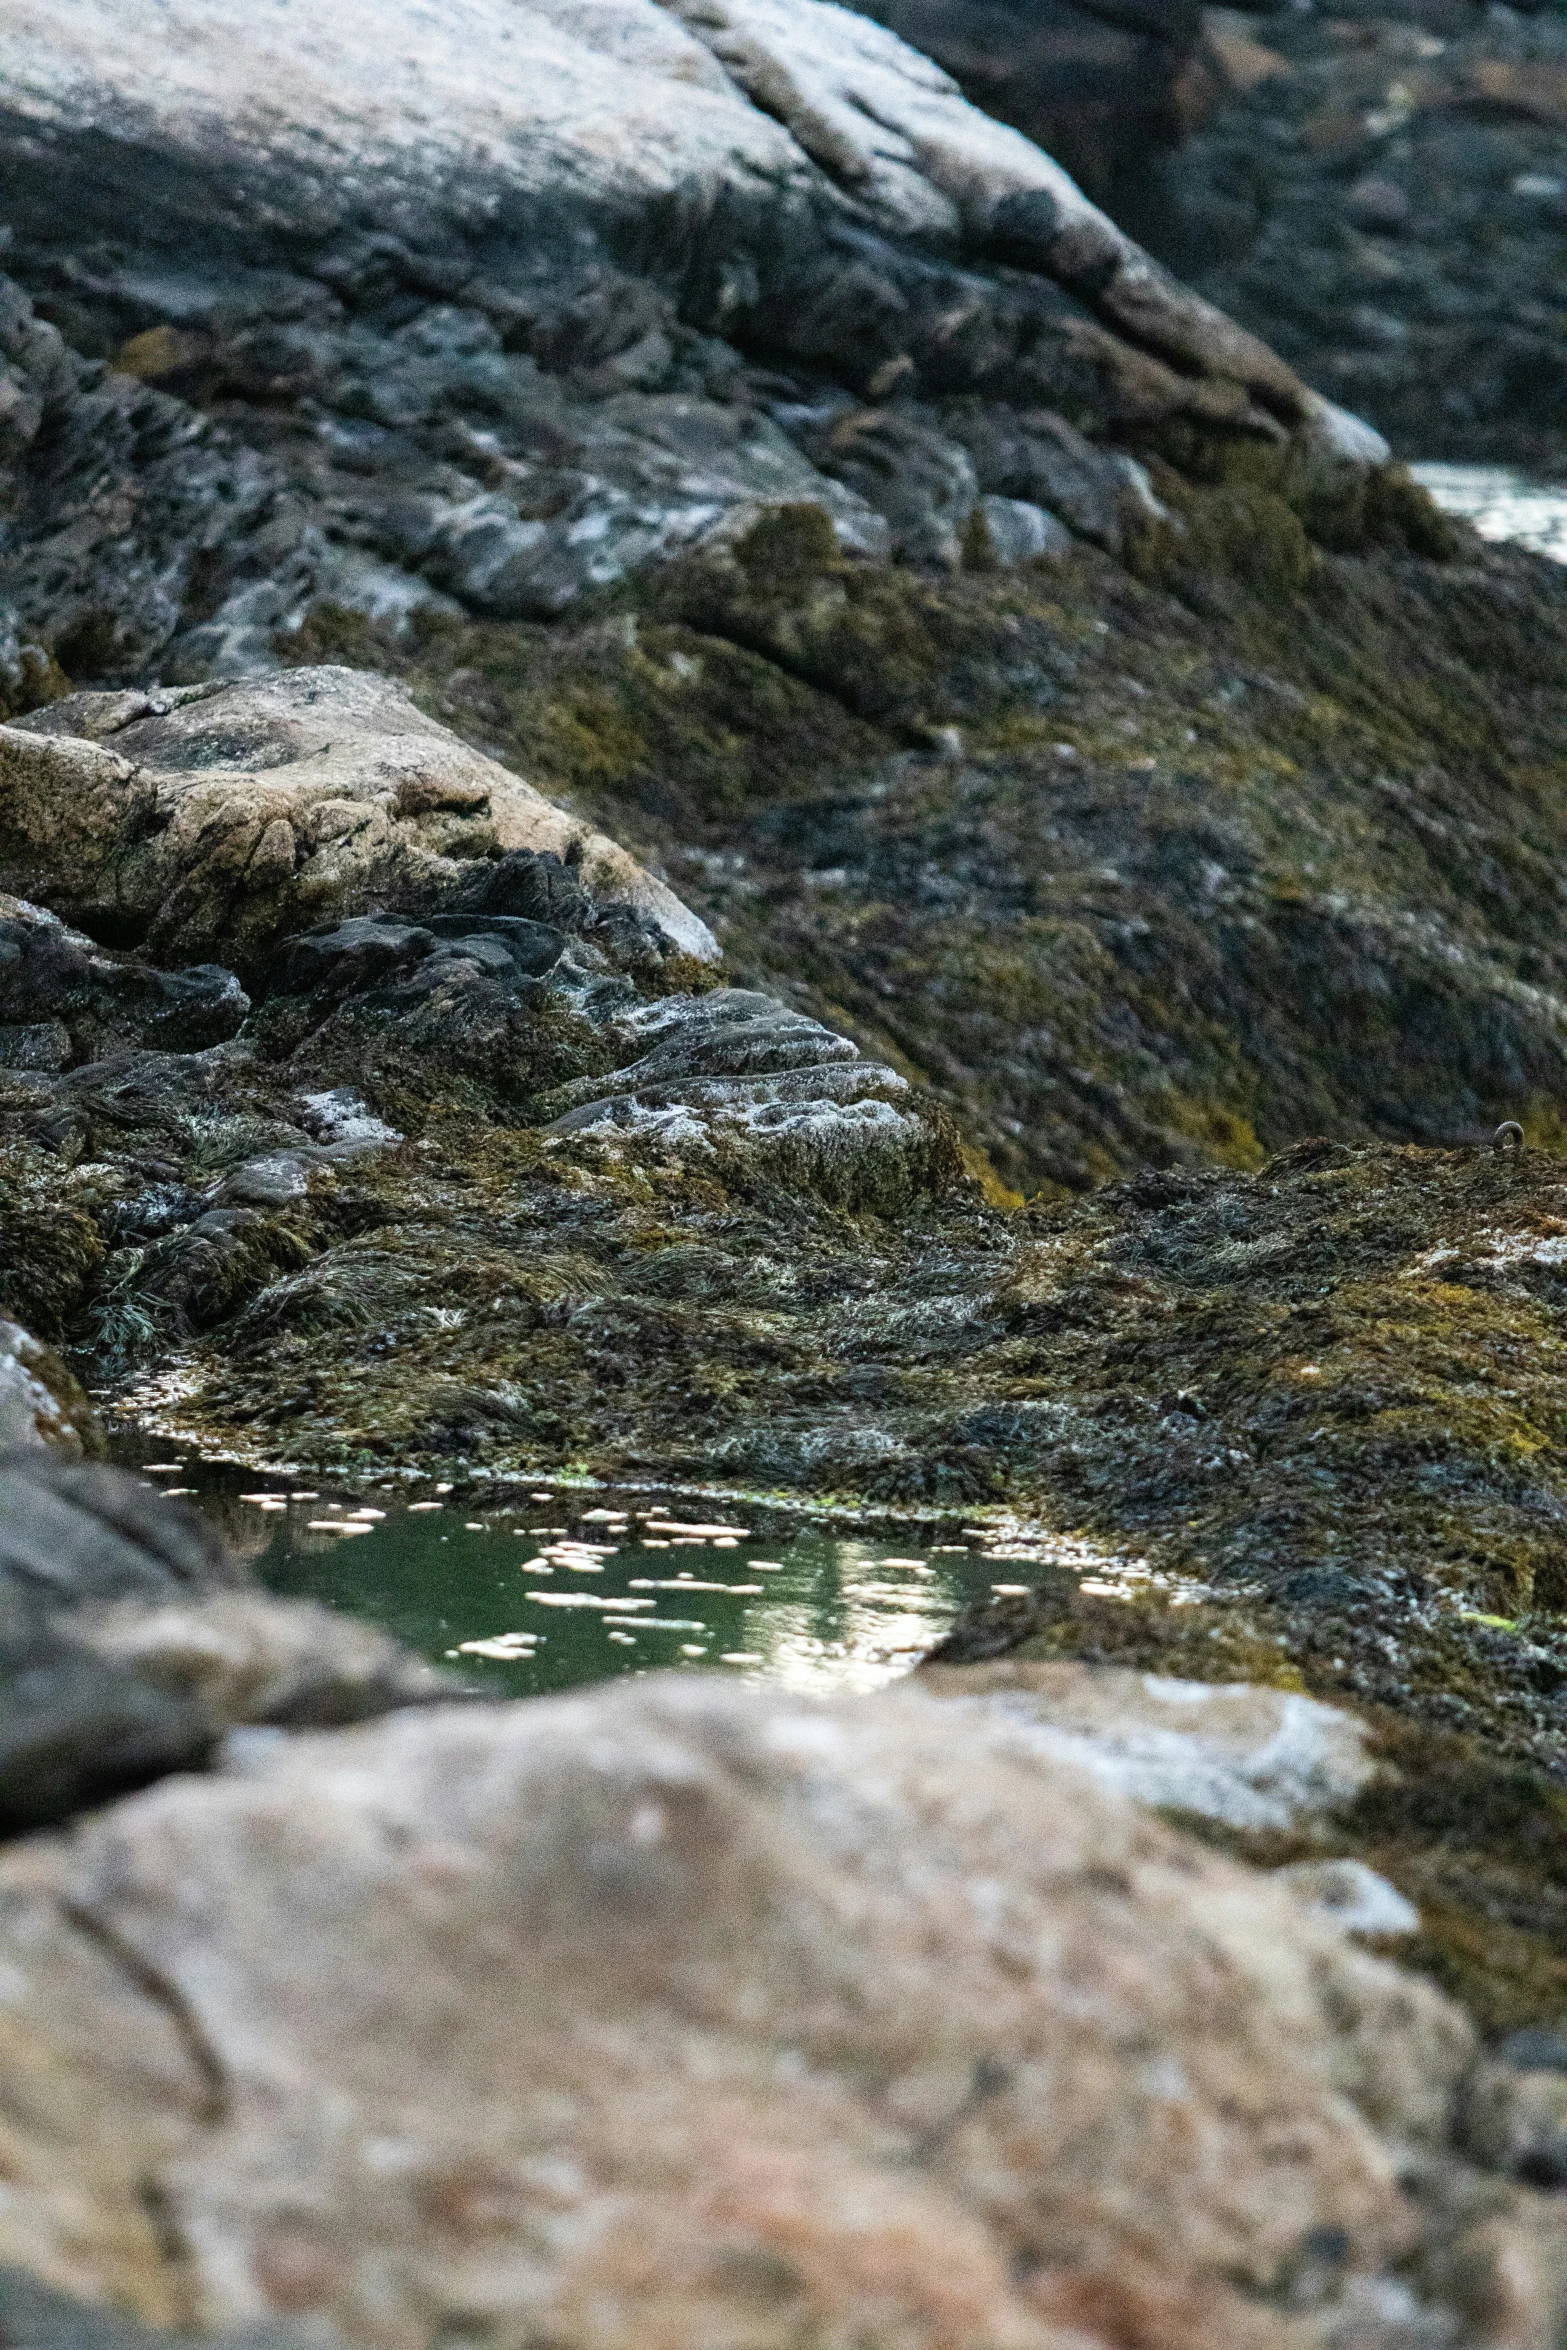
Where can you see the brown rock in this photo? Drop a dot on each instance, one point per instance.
(215, 819)
(1524, 87)
(673, 2015)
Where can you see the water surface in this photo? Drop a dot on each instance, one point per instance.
(579, 1584)
(1502, 504)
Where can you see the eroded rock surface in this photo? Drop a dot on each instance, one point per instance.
(828, 2026)
(223, 816)
(359, 327)
(65, 1001)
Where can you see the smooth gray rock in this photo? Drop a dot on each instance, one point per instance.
(35, 2317)
(1251, 1757)
(1351, 1895)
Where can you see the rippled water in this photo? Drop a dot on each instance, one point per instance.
(581, 1584)
(1502, 504)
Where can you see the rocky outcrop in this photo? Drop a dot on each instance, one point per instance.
(224, 816)
(832, 2024)
(1247, 1756)
(365, 329)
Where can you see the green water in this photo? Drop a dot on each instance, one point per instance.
(577, 1585)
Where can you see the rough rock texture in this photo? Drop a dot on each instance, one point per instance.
(362, 326)
(43, 1405)
(740, 1069)
(1387, 208)
(1129, 869)
(129, 1643)
(830, 2030)
(224, 816)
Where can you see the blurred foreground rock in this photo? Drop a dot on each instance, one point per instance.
(42, 1404)
(130, 1642)
(672, 2013)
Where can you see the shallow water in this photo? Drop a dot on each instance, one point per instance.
(1502, 504)
(581, 1584)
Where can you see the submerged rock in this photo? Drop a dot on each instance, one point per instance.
(830, 2024)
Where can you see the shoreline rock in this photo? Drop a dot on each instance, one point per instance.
(131, 1644)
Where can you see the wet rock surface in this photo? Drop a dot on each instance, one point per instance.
(675, 1885)
(67, 1002)
(507, 350)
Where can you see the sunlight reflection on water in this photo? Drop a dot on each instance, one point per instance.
(1502, 504)
(577, 1584)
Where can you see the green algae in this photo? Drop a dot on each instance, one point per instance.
(1163, 869)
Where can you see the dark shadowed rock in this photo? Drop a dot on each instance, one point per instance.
(64, 1000)
(130, 1642)
(1338, 206)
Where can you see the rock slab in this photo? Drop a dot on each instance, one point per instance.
(674, 2013)
(201, 819)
